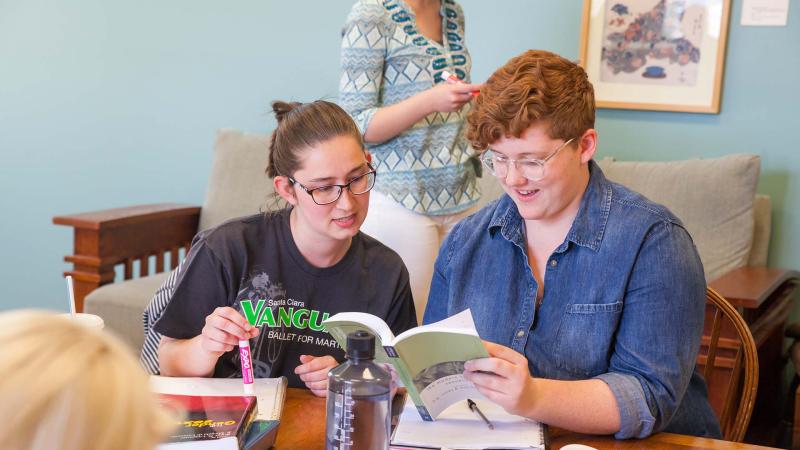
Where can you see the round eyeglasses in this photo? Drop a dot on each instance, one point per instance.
(530, 168)
(325, 195)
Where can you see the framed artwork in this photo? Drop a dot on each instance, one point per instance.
(661, 55)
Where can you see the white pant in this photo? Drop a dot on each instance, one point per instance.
(415, 237)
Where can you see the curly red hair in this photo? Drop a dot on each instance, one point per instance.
(536, 86)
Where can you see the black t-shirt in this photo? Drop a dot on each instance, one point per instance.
(253, 265)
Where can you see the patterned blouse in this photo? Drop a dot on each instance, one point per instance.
(429, 168)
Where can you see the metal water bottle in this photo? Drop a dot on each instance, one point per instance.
(358, 406)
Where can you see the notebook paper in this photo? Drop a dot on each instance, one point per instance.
(460, 428)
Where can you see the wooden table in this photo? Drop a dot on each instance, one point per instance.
(303, 427)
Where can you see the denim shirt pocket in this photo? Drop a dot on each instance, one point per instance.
(585, 338)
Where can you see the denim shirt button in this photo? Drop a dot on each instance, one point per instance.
(553, 263)
(520, 333)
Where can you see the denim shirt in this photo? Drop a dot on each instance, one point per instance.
(623, 302)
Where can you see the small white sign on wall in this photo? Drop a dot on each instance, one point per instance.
(769, 13)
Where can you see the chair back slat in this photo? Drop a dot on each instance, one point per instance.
(144, 266)
(716, 325)
(733, 390)
(160, 261)
(173, 257)
(129, 268)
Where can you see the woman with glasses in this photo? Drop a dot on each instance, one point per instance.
(394, 55)
(589, 297)
(274, 278)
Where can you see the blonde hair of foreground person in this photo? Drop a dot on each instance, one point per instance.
(66, 386)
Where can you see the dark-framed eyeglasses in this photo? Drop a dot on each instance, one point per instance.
(325, 195)
(530, 168)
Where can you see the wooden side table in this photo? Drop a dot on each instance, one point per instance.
(765, 298)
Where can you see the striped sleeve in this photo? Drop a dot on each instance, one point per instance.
(149, 355)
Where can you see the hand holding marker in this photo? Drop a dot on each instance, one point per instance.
(451, 78)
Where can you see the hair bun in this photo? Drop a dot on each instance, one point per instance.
(281, 108)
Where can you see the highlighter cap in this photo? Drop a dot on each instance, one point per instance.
(360, 345)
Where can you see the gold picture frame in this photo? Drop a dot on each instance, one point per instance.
(658, 55)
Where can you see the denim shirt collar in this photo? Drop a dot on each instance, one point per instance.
(587, 228)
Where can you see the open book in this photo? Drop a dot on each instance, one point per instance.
(428, 359)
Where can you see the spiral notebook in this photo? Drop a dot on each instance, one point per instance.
(460, 428)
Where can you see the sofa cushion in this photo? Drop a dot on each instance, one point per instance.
(121, 306)
(238, 184)
(713, 198)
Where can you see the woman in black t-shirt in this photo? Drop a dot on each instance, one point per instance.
(273, 278)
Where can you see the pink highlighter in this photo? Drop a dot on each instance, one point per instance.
(247, 367)
(452, 78)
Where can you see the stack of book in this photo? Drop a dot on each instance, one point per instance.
(213, 413)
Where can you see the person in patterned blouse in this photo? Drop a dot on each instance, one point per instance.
(413, 122)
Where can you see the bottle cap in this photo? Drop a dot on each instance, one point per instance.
(360, 345)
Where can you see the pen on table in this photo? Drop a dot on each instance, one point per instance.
(247, 367)
(449, 77)
(474, 408)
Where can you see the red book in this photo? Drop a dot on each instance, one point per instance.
(209, 422)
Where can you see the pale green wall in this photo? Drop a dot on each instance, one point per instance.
(106, 104)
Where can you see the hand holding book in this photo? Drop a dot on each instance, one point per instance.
(503, 377)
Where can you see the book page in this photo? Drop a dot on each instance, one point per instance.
(270, 392)
(341, 324)
(459, 427)
(360, 320)
(458, 323)
(435, 364)
(434, 357)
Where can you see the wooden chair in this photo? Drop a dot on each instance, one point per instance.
(729, 361)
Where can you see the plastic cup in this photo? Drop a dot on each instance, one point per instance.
(89, 320)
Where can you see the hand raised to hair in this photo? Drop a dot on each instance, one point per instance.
(449, 97)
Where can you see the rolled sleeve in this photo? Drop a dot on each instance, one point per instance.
(363, 55)
(658, 338)
(636, 419)
(364, 118)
